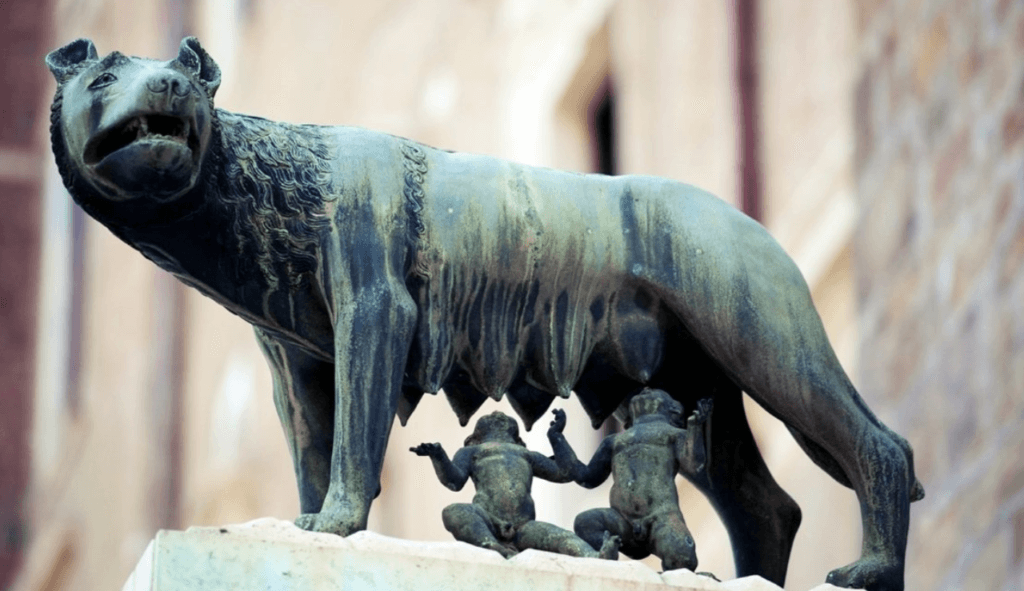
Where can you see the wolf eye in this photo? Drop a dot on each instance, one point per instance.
(104, 79)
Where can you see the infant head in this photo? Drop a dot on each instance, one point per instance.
(495, 427)
(652, 401)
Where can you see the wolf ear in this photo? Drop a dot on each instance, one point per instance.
(194, 57)
(66, 61)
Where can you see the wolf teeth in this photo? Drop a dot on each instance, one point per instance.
(173, 130)
(140, 127)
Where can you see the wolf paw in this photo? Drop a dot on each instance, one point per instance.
(871, 573)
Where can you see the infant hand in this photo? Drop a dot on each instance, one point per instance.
(703, 412)
(427, 449)
(558, 423)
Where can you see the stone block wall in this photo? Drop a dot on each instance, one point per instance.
(939, 117)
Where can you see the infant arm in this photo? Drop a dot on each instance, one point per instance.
(547, 468)
(452, 474)
(569, 465)
(691, 451)
(563, 455)
(600, 467)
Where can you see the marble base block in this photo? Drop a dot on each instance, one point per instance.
(274, 555)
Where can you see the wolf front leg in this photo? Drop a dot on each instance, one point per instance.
(372, 335)
(304, 397)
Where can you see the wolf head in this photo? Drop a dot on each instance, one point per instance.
(132, 128)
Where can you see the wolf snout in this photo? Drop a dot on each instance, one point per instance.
(170, 83)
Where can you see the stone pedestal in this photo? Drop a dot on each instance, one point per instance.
(268, 554)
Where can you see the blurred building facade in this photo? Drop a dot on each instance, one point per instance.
(940, 272)
(881, 143)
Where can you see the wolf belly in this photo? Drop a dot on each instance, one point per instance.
(525, 291)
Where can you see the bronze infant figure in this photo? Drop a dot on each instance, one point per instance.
(375, 269)
(643, 461)
(502, 516)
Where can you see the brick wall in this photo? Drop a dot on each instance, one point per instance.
(22, 37)
(939, 111)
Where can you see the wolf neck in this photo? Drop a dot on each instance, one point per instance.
(254, 243)
(274, 184)
(260, 206)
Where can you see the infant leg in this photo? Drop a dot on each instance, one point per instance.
(468, 523)
(596, 524)
(551, 538)
(672, 543)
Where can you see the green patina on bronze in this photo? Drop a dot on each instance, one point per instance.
(643, 461)
(375, 269)
(502, 516)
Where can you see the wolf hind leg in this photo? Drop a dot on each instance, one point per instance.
(760, 517)
(826, 462)
(821, 458)
(806, 388)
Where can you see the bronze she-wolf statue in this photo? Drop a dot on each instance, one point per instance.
(375, 269)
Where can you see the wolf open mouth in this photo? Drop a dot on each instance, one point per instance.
(142, 128)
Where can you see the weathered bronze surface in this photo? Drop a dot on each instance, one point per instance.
(502, 515)
(643, 461)
(375, 269)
